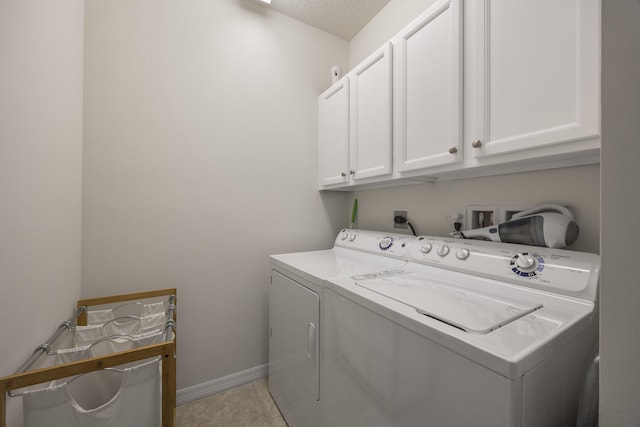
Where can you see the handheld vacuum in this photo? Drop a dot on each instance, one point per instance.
(546, 225)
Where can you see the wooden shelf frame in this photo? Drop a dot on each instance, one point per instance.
(165, 350)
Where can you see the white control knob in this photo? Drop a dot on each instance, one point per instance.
(443, 250)
(462, 253)
(525, 261)
(344, 235)
(527, 265)
(353, 237)
(425, 248)
(386, 243)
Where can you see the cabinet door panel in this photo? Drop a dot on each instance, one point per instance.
(334, 134)
(429, 95)
(537, 75)
(371, 136)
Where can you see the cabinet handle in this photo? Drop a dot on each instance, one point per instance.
(476, 143)
(342, 174)
(352, 172)
(453, 150)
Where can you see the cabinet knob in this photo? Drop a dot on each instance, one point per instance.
(453, 150)
(352, 172)
(342, 174)
(476, 143)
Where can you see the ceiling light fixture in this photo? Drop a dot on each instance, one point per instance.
(266, 1)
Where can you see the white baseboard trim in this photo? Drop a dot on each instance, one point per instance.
(217, 385)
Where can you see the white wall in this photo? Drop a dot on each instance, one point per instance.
(40, 173)
(200, 160)
(620, 290)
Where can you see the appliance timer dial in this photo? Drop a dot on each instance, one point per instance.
(525, 261)
(386, 243)
(526, 264)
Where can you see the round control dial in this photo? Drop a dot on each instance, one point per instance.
(462, 253)
(386, 243)
(526, 264)
(425, 248)
(443, 250)
(353, 237)
(344, 235)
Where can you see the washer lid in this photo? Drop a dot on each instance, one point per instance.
(458, 306)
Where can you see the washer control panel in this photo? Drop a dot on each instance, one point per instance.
(555, 270)
(385, 244)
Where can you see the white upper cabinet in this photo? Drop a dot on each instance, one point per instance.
(536, 74)
(355, 124)
(333, 141)
(428, 90)
(530, 71)
(371, 116)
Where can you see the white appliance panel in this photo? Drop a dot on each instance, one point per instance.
(558, 271)
(510, 350)
(378, 373)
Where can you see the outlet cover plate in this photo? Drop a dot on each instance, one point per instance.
(402, 214)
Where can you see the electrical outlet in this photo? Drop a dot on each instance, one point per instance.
(506, 212)
(479, 216)
(401, 223)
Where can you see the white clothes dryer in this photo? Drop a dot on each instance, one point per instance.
(296, 298)
(469, 333)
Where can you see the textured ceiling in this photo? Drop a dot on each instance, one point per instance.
(342, 18)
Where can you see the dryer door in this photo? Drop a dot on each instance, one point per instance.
(294, 337)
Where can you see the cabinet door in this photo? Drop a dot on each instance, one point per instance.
(294, 340)
(371, 117)
(334, 134)
(536, 76)
(428, 95)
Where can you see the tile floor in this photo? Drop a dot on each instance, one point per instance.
(249, 405)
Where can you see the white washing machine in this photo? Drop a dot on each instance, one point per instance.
(469, 333)
(296, 299)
